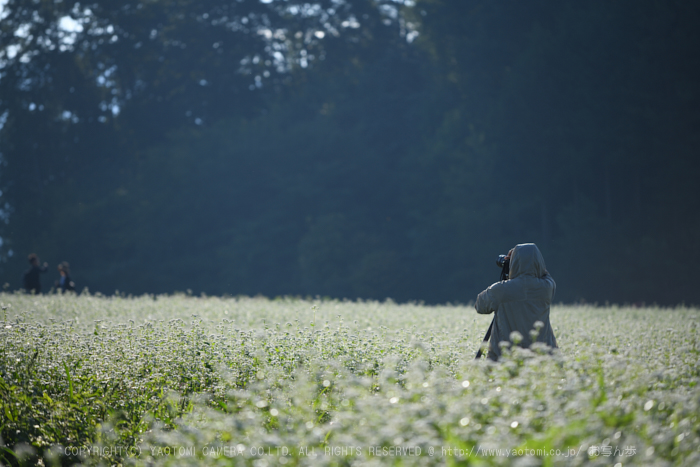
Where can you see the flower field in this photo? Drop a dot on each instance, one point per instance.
(182, 380)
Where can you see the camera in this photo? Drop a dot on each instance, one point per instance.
(504, 263)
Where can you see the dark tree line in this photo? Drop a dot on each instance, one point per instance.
(352, 149)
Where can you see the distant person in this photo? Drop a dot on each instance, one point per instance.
(31, 277)
(64, 282)
(521, 302)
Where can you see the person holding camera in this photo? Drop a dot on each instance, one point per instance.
(521, 302)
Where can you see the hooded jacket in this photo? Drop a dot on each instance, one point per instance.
(521, 301)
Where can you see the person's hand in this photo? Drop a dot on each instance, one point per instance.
(46, 265)
(510, 253)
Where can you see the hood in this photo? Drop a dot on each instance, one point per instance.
(527, 261)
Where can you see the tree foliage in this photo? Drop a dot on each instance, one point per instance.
(351, 149)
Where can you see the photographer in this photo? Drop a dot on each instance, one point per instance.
(520, 301)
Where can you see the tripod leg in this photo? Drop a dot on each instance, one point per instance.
(486, 337)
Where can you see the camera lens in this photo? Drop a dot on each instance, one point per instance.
(500, 261)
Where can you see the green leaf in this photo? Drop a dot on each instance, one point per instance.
(8, 414)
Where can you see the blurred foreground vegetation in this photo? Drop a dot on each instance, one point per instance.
(182, 380)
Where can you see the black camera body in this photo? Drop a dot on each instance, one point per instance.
(504, 263)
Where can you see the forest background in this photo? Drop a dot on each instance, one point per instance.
(365, 148)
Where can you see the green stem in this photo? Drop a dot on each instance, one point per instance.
(70, 382)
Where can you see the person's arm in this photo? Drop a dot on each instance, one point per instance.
(548, 277)
(486, 302)
(44, 268)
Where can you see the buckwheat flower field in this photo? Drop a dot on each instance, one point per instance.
(182, 380)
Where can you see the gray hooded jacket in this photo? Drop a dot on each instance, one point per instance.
(520, 301)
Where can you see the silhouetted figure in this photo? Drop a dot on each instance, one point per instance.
(64, 282)
(31, 277)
